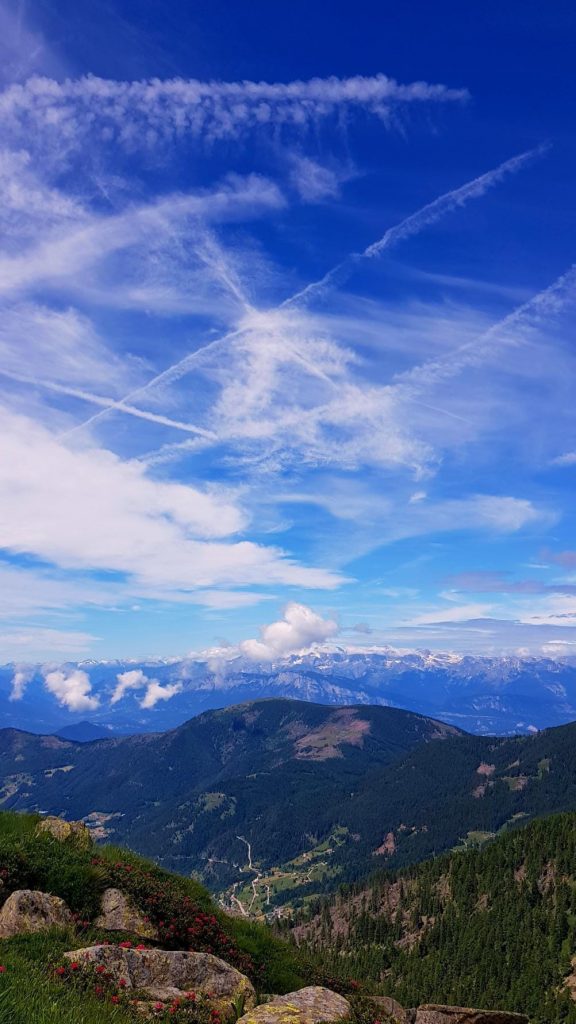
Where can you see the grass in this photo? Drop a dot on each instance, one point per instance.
(29, 992)
(29, 995)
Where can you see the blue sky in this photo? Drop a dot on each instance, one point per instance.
(287, 319)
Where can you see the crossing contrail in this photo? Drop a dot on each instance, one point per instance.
(406, 228)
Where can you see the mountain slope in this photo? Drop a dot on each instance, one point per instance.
(273, 802)
(272, 775)
(496, 926)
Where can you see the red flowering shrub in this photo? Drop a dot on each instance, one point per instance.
(182, 922)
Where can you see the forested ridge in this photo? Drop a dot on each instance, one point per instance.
(494, 926)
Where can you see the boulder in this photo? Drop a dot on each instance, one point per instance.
(388, 1008)
(73, 832)
(432, 1013)
(161, 975)
(306, 1006)
(118, 914)
(29, 911)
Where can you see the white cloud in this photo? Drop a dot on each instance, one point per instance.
(313, 181)
(137, 115)
(35, 643)
(156, 692)
(61, 346)
(132, 680)
(72, 690)
(69, 254)
(89, 509)
(566, 459)
(297, 631)
(20, 681)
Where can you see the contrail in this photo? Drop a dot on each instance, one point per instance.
(106, 403)
(416, 222)
(411, 225)
(545, 303)
(171, 373)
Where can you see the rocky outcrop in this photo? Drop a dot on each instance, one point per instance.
(161, 975)
(436, 1014)
(118, 914)
(73, 832)
(306, 1006)
(29, 911)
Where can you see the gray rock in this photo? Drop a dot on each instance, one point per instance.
(118, 914)
(306, 1006)
(29, 911)
(432, 1013)
(161, 975)
(390, 1008)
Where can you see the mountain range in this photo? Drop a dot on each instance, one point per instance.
(273, 802)
(484, 695)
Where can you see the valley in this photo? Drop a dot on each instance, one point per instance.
(274, 803)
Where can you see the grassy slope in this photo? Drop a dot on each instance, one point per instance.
(29, 991)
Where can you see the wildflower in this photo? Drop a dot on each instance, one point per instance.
(125, 945)
(141, 946)
(60, 971)
(158, 1006)
(122, 983)
(74, 966)
(2, 969)
(114, 999)
(100, 969)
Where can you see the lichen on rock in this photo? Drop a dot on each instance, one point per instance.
(161, 975)
(27, 910)
(118, 914)
(309, 1005)
(73, 832)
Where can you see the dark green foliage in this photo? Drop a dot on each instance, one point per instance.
(180, 907)
(184, 797)
(494, 927)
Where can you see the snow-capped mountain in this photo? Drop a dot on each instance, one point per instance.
(498, 695)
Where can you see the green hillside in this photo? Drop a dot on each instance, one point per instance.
(31, 993)
(277, 773)
(493, 926)
(273, 803)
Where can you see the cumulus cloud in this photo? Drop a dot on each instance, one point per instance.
(72, 690)
(298, 630)
(156, 692)
(136, 679)
(132, 680)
